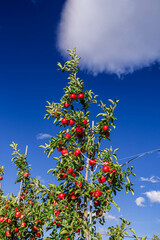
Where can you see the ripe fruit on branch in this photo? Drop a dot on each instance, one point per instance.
(71, 122)
(17, 214)
(1, 178)
(16, 229)
(107, 134)
(64, 152)
(54, 202)
(64, 121)
(56, 212)
(97, 203)
(97, 193)
(57, 221)
(60, 149)
(73, 174)
(34, 229)
(23, 224)
(31, 202)
(73, 96)
(70, 170)
(105, 128)
(101, 179)
(105, 168)
(78, 184)
(77, 152)
(67, 136)
(63, 175)
(61, 195)
(37, 234)
(66, 105)
(112, 172)
(92, 162)
(81, 96)
(81, 168)
(26, 174)
(8, 234)
(99, 213)
(1, 219)
(84, 121)
(57, 113)
(91, 193)
(73, 196)
(79, 129)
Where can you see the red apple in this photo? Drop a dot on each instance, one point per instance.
(79, 129)
(70, 170)
(63, 175)
(57, 113)
(56, 212)
(37, 234)
(23, 224)
(15, 229)
(112, 172)
(66, 105)
(84, 121)
(78, 184)
(73, 196)
(73, 96)
(67, 136)
(92, 162)
(81, 96)
(57, 221)
(107, 134)
(101, 179)
(60, 149)
(105, 168)
(77, 152)
(91, 193)
(97, 203)
(71, 122)
(34, 229)
(64, 152)
(31, 202)
(54, 202)
(105, 128)
(61, 195)
(64, 121)
(81, 168)
(97, 193)
(73, 174)
(1, 178)
(17, 214)
(1, 219)
(99, 213)
(8, 234)
(26, 174)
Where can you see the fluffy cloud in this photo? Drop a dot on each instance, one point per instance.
(109, 217)
(114, 36)
(43, 136)
(139, 201)
(154, 196)
(152, 179)
(40, 179)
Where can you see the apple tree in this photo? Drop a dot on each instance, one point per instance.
(89, 176)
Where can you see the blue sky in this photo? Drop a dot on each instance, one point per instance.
(34, 36)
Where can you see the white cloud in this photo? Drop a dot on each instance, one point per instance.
(114, 36)
(139, 201)
(43, 136)
(154, 196)
(40, 179)
(109, 217)
(142, 186)
(152, 179)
